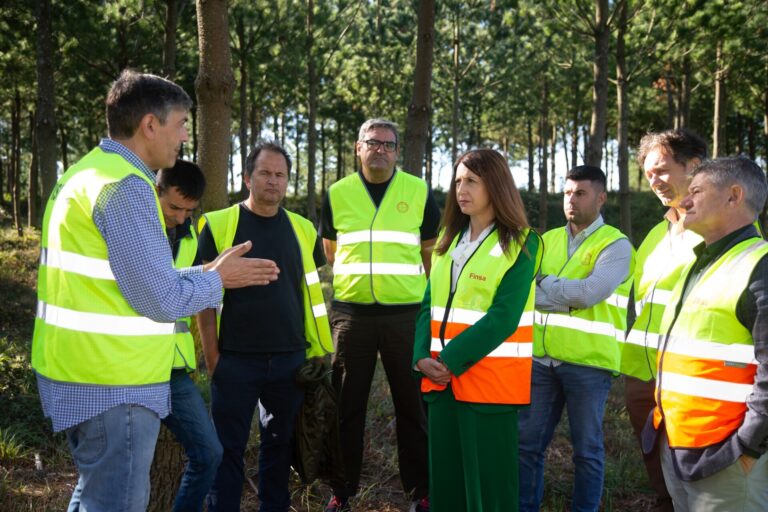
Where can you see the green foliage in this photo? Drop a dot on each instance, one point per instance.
(11, 447)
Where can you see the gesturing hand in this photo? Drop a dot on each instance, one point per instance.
(237, 271)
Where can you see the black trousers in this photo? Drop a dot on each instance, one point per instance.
(359, 341)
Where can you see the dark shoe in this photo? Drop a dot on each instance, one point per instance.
(340, 505)
(421, 505)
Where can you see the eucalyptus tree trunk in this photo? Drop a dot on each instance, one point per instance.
(419, 110)
(32, 182)
(45, 129)
(243, 97)
(600, 87)
(543, 162)
(311, 115)
(172, 12)
(456, 79)
(622, 126)
(214, 85)
(530, 155)
(718, 123)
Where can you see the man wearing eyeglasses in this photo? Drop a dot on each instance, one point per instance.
(378, 228)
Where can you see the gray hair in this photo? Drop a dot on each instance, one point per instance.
(378, 123)
(738, 170)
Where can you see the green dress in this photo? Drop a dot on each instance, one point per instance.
(473, 448)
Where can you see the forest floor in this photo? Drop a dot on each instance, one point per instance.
(25, 435)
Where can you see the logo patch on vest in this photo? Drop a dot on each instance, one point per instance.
(479, 277)
(402, 207)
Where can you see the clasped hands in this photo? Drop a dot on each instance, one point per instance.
(435, 370)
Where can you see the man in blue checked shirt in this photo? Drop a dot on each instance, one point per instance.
(109, 296)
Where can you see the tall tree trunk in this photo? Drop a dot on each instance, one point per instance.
(530, 155)
(718, 123)
(172, 11)
(243, 93)
(565, 148)
(16, 167)
(428, 168)
(64, 157)
(685, 94)
(45, 129)
(600, 88)
(456, 79)
(298, 157)
(543, 162)
(255, 117)
(32, 184)
(739, 149)
(751, 149)
(417, 123)
(669, 90)
(165, 473)
(339, 152)
(195, 132)
(552, 153)
(622, 126)
(323, 158)
(214, 85)
(312, 115)
(575, 139)
(282, 129)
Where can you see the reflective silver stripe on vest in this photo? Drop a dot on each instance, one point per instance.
(76, 263)
(312, 278)
(98, 323)
(706, 388)
(620, 301)
(378, 236)
(506, 349)
(399, 269)
(657, 296)
(580, 324)
(700, 349)
(643, 339)
(470, 317)
(319, 311)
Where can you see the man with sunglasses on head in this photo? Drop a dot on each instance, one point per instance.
(378, 228)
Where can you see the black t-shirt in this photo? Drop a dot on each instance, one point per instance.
(430, 225)
(264, 318)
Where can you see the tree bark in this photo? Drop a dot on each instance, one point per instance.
(685, 94)
(622, 126)
(165, 473)
(456, 79)
(543, 162)
(600, 87)
(172, 11)
(718, 123)
(419, 110)
(529, 127)
(243, 89)
(33, 219)
(552, 152)
(45, 129)
(339, 152)
(311, 116)
(15, 175)
(214, 85)
(323, 158)
(297, 173)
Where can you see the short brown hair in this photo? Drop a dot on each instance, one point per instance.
(682, 145)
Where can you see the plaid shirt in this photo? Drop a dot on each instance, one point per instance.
(126, 216)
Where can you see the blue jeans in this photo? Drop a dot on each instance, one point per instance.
(113, 453)
(240, 383)
(193, 428)
(584, 391)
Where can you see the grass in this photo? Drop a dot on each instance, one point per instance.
(24, 432)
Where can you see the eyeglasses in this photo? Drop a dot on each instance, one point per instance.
(374, 145)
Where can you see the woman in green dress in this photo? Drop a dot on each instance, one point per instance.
(474, 337)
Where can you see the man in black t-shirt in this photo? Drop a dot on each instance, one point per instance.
(378, 230)
(265, 331)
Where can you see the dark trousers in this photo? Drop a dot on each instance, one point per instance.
(239, 384)
(359, 340)
(640, 401)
